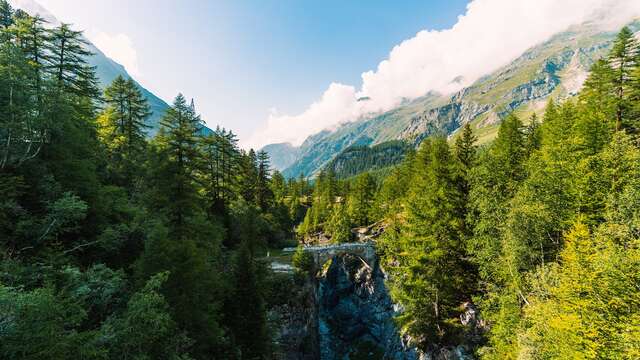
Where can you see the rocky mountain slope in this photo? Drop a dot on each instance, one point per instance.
(282, 155)
(554, 69)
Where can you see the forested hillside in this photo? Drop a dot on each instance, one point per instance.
(114, 246)
(117, 246)
(539, 229)
(359, 159)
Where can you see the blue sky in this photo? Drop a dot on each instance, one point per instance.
(239, 59)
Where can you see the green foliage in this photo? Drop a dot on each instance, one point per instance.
(360, 198)
(360, 159)
(145, 330)
(122, 128)
(119, 247)
(113, 244)
(247, 308)
(38, 324)
(430, 253)
(339, 224)
(220, 164)
(623, 59)
(547, 217)
(303, 260)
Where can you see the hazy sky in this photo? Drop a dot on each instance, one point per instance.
(240, 60)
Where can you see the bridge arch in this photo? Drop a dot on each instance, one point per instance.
(321, 254)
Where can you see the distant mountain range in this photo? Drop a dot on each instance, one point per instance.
(106, 68)
(554, 69)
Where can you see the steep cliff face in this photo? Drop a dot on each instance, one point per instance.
(444, 119)
(355, 314)
(344, 312)
(295, 324)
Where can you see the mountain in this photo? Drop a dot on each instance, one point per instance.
(282, 155)
(358, 159)
(106, 68)
(554, 69)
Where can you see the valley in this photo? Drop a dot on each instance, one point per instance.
(496, 220)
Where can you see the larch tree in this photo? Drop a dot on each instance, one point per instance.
(623, 59)
(123, 128)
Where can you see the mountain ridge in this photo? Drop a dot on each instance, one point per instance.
(555, 68)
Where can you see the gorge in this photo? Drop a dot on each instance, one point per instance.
(344, 311)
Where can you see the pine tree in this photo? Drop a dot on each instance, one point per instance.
(306, 227)
(493, 184)
(634, 97)
(465, 147)
(623, 58)
(533, 135)
(360, 199)
(123, 128)
(229, 164)
(278, 186)
(598, 94)
(264, 196)
(177, 169)
(465, 152)
(67, 63)
(221, 162)
(339, 224)
(432, 255)
(249, 176)
(22, 133)
(6, 14)
(248, 322)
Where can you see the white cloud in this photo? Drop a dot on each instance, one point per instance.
(489, 35)
(119, 47)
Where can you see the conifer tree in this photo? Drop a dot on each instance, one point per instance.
(432, 254)
(264, 196)
(67, 63)
(533, 135)
(598, 94)
(493, 183)
(465, 152)
(278, 186)
(465, 147)
(249, 176)
(623, 59)
(249, 321)
(360, 198)
(6, 14)
(32, 37)
(229, 163)
(22, 133)
(123, 127)
(179, 151)
(339, 224)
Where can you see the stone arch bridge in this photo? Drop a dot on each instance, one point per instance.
(321, 254)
